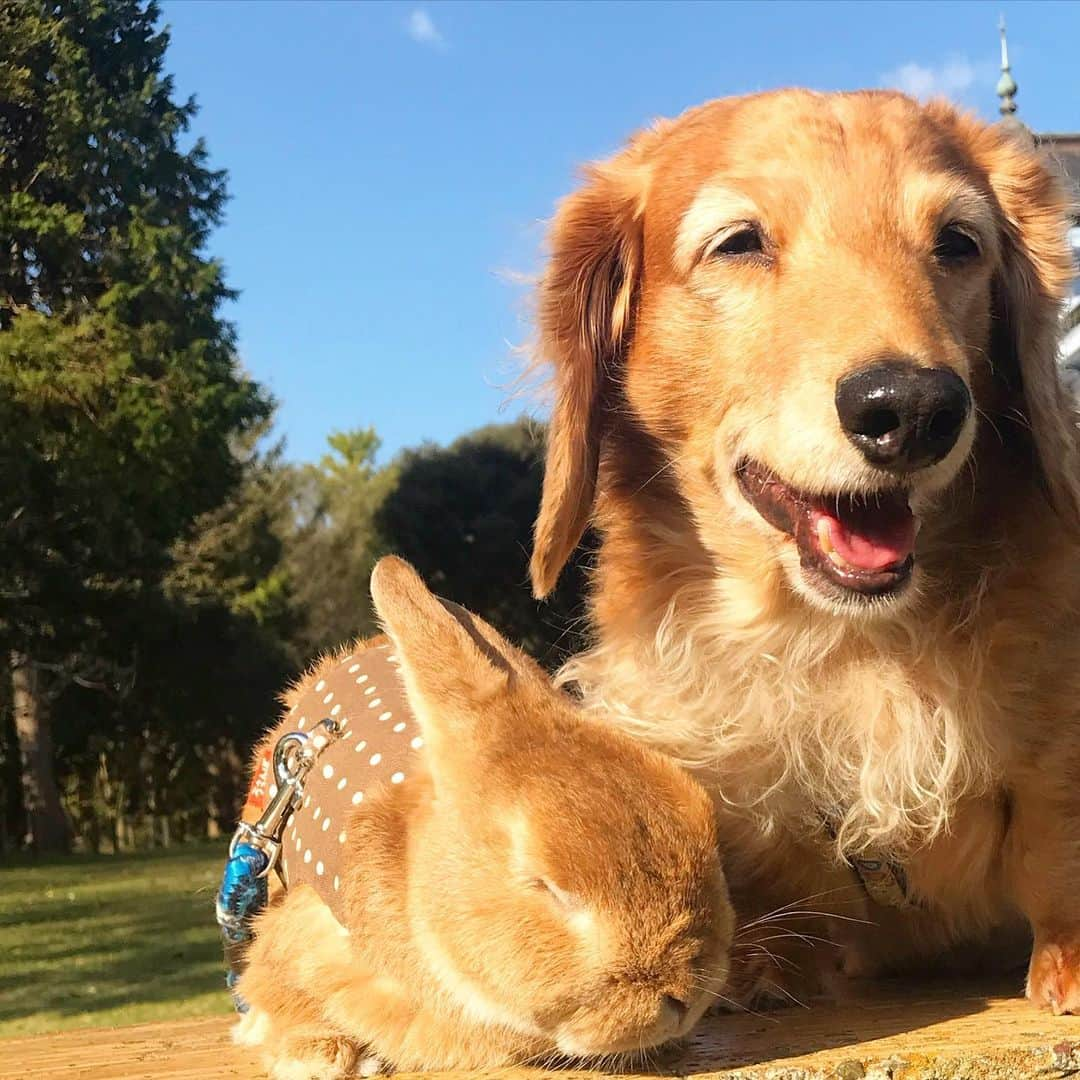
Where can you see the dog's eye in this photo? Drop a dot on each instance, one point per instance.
(742, 239)
(954, 245)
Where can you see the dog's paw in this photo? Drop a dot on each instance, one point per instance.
(1054, 977)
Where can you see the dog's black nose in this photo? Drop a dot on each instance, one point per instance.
(901, 416)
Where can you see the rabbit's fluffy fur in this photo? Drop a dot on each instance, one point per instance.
(543, 885)
(938, 723)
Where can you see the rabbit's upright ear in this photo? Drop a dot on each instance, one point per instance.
(453, 664)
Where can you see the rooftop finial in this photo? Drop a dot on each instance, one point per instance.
(1006, 87)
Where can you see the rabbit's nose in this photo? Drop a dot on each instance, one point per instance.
(673, 1012)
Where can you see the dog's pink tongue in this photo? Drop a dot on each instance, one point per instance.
(872, 537)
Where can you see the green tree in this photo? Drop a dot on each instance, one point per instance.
(120, 396)
(335, 544)
(234, 555)
(463, 515)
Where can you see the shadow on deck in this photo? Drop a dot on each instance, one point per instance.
(899, 1031)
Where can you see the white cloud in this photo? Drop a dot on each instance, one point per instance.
(422, 29)
(951, 79)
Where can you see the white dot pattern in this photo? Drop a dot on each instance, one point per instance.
(340, 784)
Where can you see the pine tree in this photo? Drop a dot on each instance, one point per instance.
(120, 395)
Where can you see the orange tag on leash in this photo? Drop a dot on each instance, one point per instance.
(259, 792)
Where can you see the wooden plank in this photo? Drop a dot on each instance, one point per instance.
(186, 1049)
(884, 1032)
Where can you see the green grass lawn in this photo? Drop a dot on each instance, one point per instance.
(90, 941)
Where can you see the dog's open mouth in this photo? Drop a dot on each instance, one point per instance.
(862, 543)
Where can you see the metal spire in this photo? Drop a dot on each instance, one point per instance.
(1006, 87)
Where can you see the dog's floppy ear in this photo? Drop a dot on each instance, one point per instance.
(585, 314)
(1032, 283)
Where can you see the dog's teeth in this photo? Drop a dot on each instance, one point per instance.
(824, 537)
(825, 543)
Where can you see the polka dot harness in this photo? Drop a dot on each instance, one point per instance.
(377, 745)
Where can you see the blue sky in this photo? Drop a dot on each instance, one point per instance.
(391, 164)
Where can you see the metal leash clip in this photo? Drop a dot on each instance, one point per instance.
(294, 755)
(254, 849)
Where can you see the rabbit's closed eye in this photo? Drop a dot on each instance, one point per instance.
(565, 899)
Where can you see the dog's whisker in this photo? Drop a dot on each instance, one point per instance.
(990, 420)
(663, 468)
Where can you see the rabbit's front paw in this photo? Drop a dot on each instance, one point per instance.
(330, 1058)
(252, 1029)
(372, 1065)
(1054, 976)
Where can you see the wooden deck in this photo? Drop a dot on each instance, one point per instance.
(897, 1032)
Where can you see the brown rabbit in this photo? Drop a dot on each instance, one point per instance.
(538, 885)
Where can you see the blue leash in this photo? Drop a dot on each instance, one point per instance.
(254, 849)
(241, 897)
